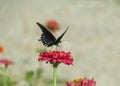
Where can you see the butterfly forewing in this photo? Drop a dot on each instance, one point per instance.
(59, 38)
(47, 37)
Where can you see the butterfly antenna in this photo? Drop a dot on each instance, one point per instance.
(65, 40)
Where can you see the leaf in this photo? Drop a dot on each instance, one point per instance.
(39, 73)
(29, 76)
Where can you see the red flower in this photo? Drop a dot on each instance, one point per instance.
(1, 49)
(52, 25)
(82, 82)
(56, 57)
(6, 62)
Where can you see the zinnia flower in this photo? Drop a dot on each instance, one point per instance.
(81, 82)
(6, 62)
(1, 49)
(52, 25)
(56, 56)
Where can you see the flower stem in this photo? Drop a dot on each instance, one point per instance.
(54, 75)
(5, 77)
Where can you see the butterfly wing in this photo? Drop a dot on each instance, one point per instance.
(59, 38)
(47, 37)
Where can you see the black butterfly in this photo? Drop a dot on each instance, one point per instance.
(48, 38)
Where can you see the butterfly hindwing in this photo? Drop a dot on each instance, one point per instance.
(46, 41)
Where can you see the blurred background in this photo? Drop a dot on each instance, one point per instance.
(94, 38)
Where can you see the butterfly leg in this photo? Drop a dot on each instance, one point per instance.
(61, 45)
(46, 49)
(58, 47)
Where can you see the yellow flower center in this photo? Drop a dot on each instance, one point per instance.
(78, 80)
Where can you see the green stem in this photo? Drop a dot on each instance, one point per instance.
(5, 77)
(54, 75)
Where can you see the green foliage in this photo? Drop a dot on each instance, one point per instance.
(1, 68)
(32, 77)
(6, 81)
(41, 50)
(1, 80)
(29, 77)
(117, 1)
(9, 81)
(39, 73)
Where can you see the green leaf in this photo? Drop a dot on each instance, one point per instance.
(29, 76)
(9, 81)
(39, 73)
(1, 80)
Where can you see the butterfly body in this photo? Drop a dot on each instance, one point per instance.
(48, 38)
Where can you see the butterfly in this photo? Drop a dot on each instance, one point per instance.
(47, 38)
